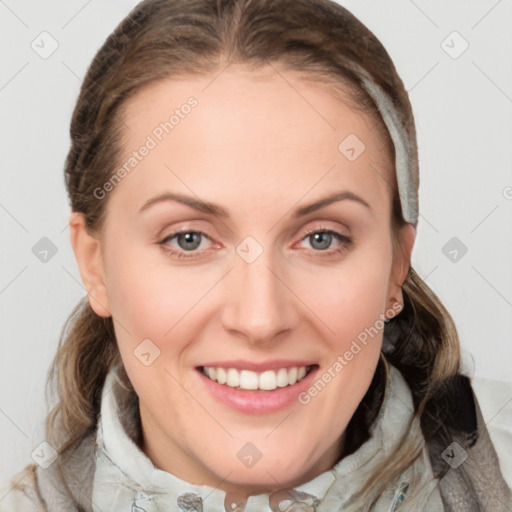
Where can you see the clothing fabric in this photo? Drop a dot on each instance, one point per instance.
(109, 472)
(406, 152)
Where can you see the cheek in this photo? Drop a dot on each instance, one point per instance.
(145, 297)
(350, 303)
(153, 299)
(350, 298)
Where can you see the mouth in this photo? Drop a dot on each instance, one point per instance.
(249, 380)
(256, 392)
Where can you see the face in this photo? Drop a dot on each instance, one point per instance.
(257, 284)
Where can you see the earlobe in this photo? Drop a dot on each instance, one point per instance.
(87, 251)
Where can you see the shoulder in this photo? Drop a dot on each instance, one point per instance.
(64, 486)
(495, 401)
(21, 494)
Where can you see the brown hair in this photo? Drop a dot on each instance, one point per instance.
(170, 38)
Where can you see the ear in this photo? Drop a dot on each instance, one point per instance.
(88, 256)
(401, 264)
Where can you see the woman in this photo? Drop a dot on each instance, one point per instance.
(243, 179)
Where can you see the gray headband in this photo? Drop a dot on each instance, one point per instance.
(406, 161)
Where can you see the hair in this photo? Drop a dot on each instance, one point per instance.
(162, 39)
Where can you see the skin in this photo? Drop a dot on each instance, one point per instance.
(260, 147)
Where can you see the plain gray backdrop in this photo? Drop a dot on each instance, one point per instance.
(455, 59)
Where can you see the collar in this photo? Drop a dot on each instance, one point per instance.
(125, 478)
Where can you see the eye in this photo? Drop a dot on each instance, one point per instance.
(321, 240)
(187, 241)
(190, 242)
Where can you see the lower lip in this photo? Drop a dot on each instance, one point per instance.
(258, 401)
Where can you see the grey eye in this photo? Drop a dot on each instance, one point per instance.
(322, 238)
(189, 241)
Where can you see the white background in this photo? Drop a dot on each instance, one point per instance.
(463, 110)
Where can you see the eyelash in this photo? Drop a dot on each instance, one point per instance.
(345, 242)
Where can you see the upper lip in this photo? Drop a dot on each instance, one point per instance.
(241, 364)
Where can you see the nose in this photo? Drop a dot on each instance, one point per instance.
(259, 304)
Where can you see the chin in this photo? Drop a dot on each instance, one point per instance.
(267, 476)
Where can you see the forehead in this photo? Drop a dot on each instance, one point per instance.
(262, 130)
(240, 94)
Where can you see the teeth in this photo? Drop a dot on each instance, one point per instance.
(221, 376)
(233, 378)
(267, 380)
(282, 377)
(247, 379)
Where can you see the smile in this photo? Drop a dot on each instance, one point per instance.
(267, 380)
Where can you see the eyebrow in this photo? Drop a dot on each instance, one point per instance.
(214, 209)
